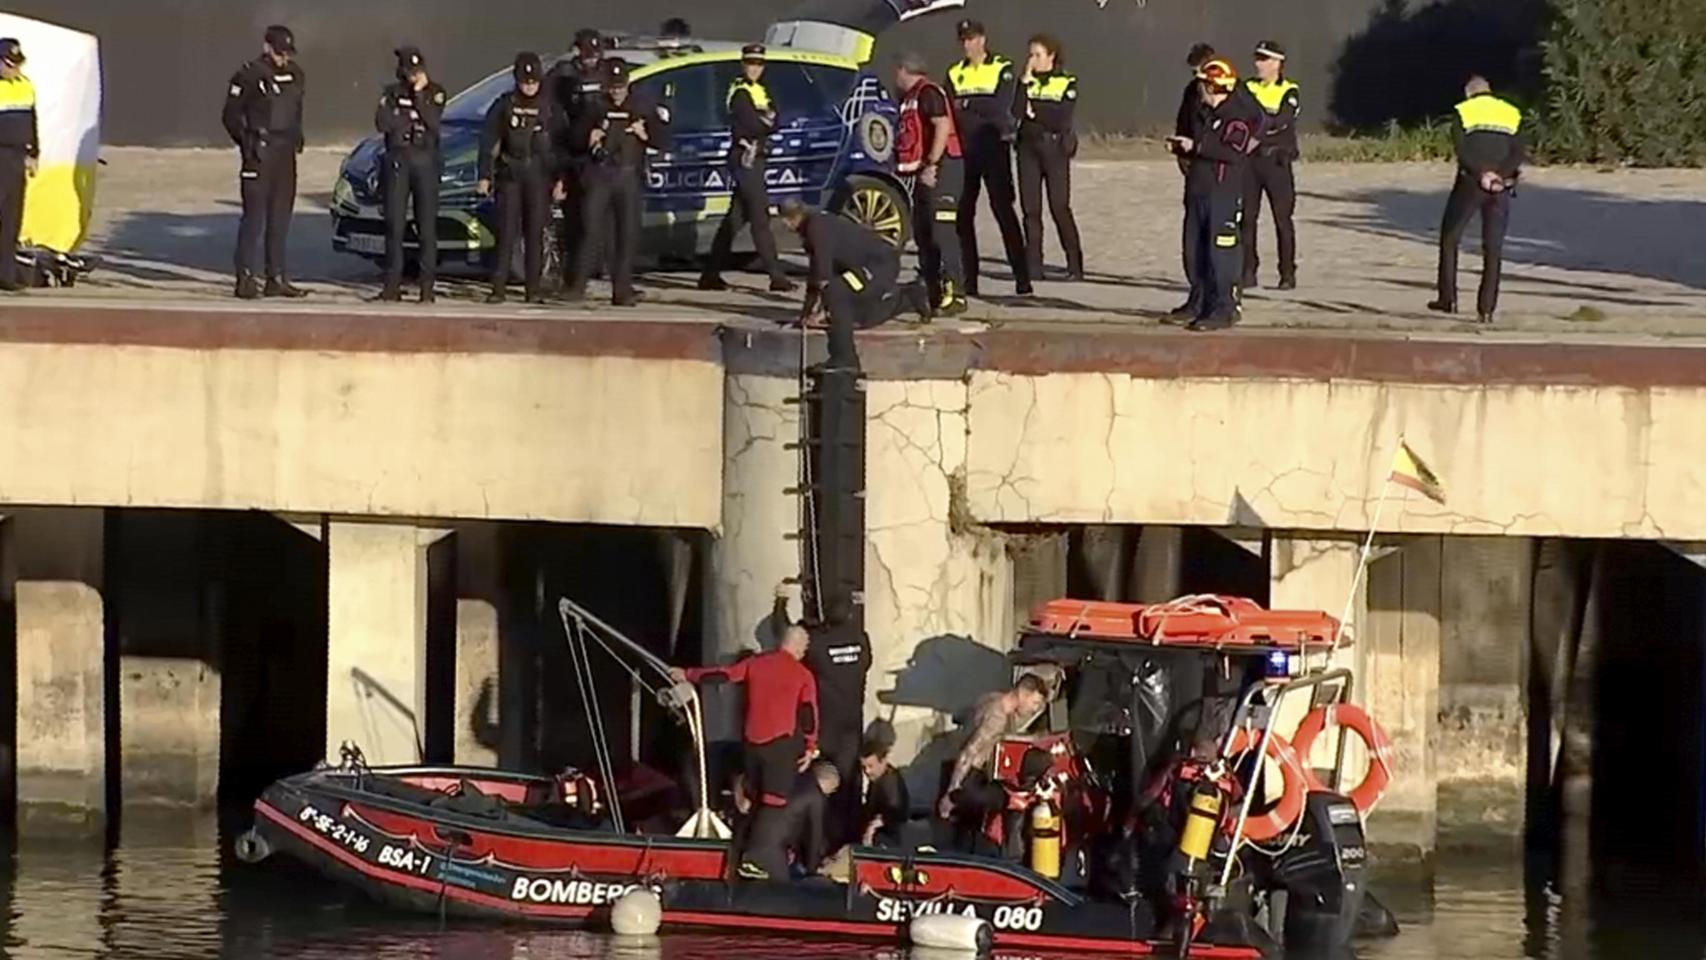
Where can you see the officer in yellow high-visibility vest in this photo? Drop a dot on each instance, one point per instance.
(1488, 133)
(20, 147)
(1269, 169)
(752, 119)
(1047, 144)
(984, 89)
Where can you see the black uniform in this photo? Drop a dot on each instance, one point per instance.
(887, 797)
(1270, 173)
(797, 826)
(752, 118)
(263, 115)
(1193, 110)
(19, 142)
(615, 186)
(840, 659)
(1489, 141)
(1047, 144)
(1214, 198)
(855, 272)
(409, 119)
(515, 153)
(985, 97)
(573, 84)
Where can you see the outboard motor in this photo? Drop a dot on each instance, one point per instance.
(1323, 876)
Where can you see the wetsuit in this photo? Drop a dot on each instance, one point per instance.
(781, 722)
(798, 826)
(887, 797)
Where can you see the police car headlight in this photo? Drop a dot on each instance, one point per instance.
(459, 175)
(343, 195)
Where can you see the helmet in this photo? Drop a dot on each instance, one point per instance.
(1218, 73)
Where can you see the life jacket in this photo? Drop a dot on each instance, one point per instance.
(912, 139)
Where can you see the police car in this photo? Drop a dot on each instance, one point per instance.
(834, 150)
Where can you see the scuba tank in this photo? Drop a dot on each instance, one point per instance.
(1202, 821)
(1045, 838)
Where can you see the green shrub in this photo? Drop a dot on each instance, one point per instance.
(1626, 82)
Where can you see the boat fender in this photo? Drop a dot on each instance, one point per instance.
(637, 913)
(1353, 718)
(951, 931)
(251, 847)
(1294, 781)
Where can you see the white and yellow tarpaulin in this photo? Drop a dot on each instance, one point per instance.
(65, 67)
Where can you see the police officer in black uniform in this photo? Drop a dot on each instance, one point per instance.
(1214, 196)
(1047, 144)
(1490, 153)
(20, 149)
(408, 116)
(616, 130)
(985, 90)
(1270, 166)
(1191, 113)
(854, 277)
(575, 82)
(753, 118)
(263, 115)
(515, 150)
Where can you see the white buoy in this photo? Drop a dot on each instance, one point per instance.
(951, 931)
(637, 913)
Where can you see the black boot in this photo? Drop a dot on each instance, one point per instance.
(280, 287)
(247, 288)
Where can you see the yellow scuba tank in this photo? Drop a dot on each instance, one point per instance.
(1045, 838)
(1202, 820)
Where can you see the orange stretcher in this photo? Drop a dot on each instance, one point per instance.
(1205, 621)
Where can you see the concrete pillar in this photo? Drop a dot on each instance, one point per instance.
(169, 740)
(1398, 682)
(479, 590)
(376, 657)
(755, 550)
(62, 675)
(1487, 596)
(1158, 568)
(938, 585)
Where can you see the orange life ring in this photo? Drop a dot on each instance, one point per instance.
(1280, 817)
(1353, 718)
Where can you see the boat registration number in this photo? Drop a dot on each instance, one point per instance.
(1003, 917)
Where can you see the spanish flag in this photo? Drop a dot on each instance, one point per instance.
(1409, 470)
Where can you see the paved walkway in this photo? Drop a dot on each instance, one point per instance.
(1590, 254)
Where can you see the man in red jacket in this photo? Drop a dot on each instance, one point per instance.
(781, 714)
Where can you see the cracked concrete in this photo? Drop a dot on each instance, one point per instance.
(752, 552)
(1515, 460)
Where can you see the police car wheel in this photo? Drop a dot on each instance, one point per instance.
(879, 205)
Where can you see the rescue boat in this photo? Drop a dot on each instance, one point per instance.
(1141, 849)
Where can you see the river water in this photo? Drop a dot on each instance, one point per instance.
(166, 892)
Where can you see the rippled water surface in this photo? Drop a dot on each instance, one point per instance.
(166, 894)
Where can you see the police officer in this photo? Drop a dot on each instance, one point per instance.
(574, 82)
(752, 119)
(984, 89)
(1214, 195)
(1270, 165)
(515, 149)
(20, 148)
(1191, 112)
(854, 273)
(408, 116)
(927, 149)
(1490, 150)
(263, 115)
(1047, 144)
(616, 130)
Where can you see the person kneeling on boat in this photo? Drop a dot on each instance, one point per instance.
(888, 806)
(797, 827)
(997, 715)
(781, 726)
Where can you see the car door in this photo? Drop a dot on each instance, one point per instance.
(806, 149)
(690, 182)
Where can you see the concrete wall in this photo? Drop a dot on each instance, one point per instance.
(563, 438)
(1129, 56)
(1517, 460)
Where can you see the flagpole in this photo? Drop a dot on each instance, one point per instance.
(1367, 546)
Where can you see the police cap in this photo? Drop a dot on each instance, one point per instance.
(752, 53)
(588, 40)
(11, 51)
(528, 67)
(971, 28)
(615, 73)
(409, 59)
(280, 39)
(1269, 50)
